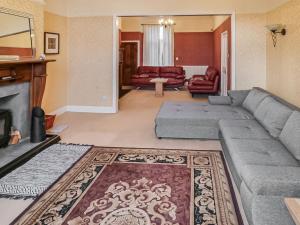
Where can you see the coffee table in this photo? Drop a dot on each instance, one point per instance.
(159, 86)
(293, 205)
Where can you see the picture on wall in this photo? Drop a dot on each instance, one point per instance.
(51, 43)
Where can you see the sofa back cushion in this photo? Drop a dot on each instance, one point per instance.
(290, 135)
(272, 115)
(148, 70)
(238, 97)
(168, 75)
(171, 69)
(211, 73)
(254, 98)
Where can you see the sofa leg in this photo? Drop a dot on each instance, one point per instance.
(193, 95)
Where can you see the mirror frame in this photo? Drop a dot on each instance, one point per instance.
(31, 26)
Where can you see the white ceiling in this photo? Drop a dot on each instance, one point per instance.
(158, 7)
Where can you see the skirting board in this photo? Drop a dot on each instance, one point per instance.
(83, 109)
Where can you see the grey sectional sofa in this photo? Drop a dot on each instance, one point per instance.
(260, 134)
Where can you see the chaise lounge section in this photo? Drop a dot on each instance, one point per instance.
(260, 135)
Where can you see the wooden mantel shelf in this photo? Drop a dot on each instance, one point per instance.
(26, 70)
(25, 61)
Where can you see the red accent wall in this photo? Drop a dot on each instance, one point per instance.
(194, 48)
(133, 36)
(225, 26)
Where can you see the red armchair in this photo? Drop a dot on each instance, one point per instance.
(205, 84)
(175, 76)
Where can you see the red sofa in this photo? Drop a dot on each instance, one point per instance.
(205, 84)
(174, 74)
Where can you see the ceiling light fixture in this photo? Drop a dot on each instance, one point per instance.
(166, 22)
(276, 29)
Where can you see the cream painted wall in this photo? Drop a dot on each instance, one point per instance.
(22, 40)
(283, 70)
(77, 8)
(90, 58)
(218, 20)
(56, 93)
(250, 51)
(37, 10)
(183, 23)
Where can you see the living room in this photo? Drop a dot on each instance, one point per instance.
(190, 43)
(230, 158)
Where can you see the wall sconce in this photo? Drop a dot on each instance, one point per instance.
(276, 29)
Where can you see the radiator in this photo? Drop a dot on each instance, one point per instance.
(193, 70)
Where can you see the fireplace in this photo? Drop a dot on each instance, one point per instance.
(5, 127)
(15, 98)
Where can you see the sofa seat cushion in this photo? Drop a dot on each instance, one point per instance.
(142, 81)
(151, 75)
(198, 114)
(290, 135)
(259, 152)
(270, 210)
(272, 115)
(243, 129)
(200, 87)
(203, 82)
(272, 180)
(253, 99)
(174, 81)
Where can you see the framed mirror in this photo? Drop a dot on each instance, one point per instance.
(17, 36)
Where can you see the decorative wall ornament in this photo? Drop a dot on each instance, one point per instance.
(276, 29)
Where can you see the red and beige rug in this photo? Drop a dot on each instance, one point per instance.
(116, 186)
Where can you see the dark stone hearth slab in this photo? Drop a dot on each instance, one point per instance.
(14, 156)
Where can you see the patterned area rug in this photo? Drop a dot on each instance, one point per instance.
(113, 186)
(36, 175)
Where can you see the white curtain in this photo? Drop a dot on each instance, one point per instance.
(158, 47)
(168, 46)
(151, 46)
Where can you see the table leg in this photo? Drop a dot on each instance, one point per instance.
(159, 89)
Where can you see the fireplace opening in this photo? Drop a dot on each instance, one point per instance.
(5, 127)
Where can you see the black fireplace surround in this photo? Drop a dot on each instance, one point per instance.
(5, 127)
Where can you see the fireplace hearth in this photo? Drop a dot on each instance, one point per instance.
(22, 85)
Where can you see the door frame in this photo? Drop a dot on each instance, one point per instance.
(115, 43)
(224, 34)
(138, 50)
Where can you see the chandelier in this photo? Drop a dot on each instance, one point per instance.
(166, 22)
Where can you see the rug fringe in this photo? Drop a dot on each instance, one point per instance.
(66, 144)
(17, 197)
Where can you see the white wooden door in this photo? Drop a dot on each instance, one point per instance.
(224, 63)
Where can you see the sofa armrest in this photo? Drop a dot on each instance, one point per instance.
(272, 180)
(200, 77)
(219, 100)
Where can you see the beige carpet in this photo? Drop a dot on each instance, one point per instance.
(133, 126)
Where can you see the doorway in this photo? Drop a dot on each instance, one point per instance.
(224, 63)
(128, 64)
